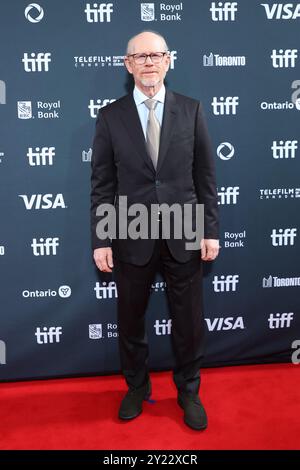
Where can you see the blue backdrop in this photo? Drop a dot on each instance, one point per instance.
(63, 60)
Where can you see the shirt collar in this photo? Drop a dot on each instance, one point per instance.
(139, 96)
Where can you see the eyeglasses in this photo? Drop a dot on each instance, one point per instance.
(140, 59)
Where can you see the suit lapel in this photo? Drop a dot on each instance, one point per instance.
(131, 120)
(167, 127)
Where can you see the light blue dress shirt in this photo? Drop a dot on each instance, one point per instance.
(143, 111)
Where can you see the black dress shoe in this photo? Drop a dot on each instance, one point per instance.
(132, 403)
(194, 412)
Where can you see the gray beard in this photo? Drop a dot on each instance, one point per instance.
(149, 82)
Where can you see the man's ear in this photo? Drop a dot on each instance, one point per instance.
(127, 65)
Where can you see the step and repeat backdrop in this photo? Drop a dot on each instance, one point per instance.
(61, 61)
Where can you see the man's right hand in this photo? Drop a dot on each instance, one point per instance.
(103, 258)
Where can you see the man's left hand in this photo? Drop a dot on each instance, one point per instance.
(209, 249)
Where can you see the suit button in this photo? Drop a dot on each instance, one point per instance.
(157, 182)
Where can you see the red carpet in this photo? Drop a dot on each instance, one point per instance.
(249, 407)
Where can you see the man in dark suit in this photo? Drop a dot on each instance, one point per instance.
(153, 147)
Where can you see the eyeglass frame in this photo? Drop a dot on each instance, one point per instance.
(148, 55)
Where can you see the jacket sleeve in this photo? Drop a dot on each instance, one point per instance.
(204, 176)
(103, 177)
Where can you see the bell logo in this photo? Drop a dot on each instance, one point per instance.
(2, 353)
(34, 13)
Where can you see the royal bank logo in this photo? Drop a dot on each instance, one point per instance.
(24, 109)
(275, 281)
(279, 193)
(95, 331)
(167, 11)
(225, 151)
(225, 105)
(89, 62)
(36, 62)
(63, 292)
(2, 352)
(234, 239)
(282, 11)
(147, 11)
(34, 13)
(223, 11)
(284, 149)
(217, 60)
(87, 156)
(2, 92)
(44, 110)
(284, 58)
(228, 195)
(40, 156)
(95, 105)
(99, 12)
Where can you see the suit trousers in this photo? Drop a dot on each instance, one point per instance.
(184, 292)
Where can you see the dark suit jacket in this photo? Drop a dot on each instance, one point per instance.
(121, 166)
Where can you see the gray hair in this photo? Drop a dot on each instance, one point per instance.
(129, 45)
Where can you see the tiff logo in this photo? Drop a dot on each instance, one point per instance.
(2, 92)
(283, 58)
(228, 195)
(2, 353)
(283, 237)
(280, 320)
(48, 335)
(94, 107)
(99, 12)
(224, 11)
(37, 62)
(225, 283)
(284, 149)
(163, 328)
(226, 105)
(41, 156)
(106, 290)
(45, 247)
